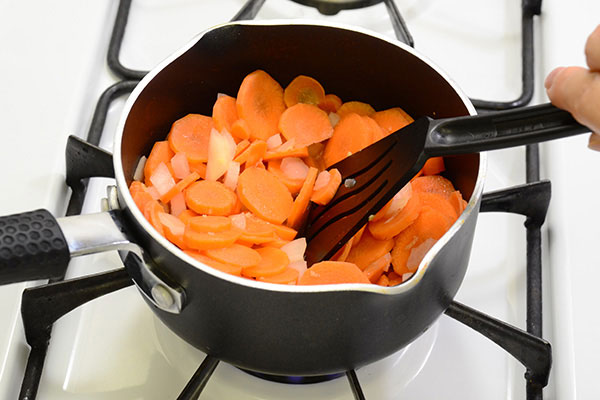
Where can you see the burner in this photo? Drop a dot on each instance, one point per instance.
(294, 380)
(332, 7)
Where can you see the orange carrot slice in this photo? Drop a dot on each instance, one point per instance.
(263, 194)
(209, 240)
(355, 107)
(140, 194)
(236, 254)
(240, 129)
(383, 281)
(432, 223)
(199, 168)
(300, 152)
(210, 197)
(432, 184)
(186, 215)
(457, 201)
(388, 228)
(306, 123)
(230, 269)
(273, 261)
(209, 223)
(440, 202)
(190, 134)
(330, 103)
(303, 89)
(289, 276)
(300, 206)
(324, 192)
(433, 166)
(260, 104)
(342, 254)
(180, 187)
(368, 249)
(403, 245)
(351, 134)
(161, 153)
(173, 229)
(374, 270)
(256, 231)
(224, 113)
(151, 212)
(392, 119)
(330, 272)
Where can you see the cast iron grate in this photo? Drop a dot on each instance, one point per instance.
(43, 305)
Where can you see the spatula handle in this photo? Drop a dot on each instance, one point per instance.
(500, 130)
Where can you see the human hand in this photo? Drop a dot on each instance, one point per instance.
(577, 89)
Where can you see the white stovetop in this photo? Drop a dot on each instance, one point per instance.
(52, 72)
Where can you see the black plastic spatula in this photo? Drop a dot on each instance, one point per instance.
(371, 177)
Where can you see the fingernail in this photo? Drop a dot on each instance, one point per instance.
(594, 142)
(551, 76)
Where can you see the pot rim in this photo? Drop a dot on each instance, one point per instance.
(125, 196)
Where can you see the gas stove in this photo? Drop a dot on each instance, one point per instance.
(53, 74)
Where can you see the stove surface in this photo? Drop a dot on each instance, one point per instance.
(53, 72)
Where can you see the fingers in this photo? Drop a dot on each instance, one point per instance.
(576, 90)
(594, 142)
(592, 50)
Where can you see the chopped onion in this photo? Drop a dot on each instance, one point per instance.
(180, 165)
(221, 150)
(398, 202)
(238, 221)
(334, 118)
(322, 180)
(288, 145)
(172, 223)
(294, 168)
(274, 141)
(417, 253)
(162, 179)
(219, 95)
(178, 204)
(153, 192)
(406, 276)
(138, 175)
(232, 174)
(299, 266)
(295, 249)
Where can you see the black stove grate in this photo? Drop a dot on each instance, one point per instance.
(43, 305)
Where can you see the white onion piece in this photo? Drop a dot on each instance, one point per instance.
(138, 175)
(180, 165)
(274, 141)
(406, 276)
(174, 224)
(221, 150)
(178, 204)
(288, 145)
(219, 95)
(295, 249)
(417, 254)
(322, 180)
(294, 168)
(162, 179)
(299, 266)
(232, 175)
(153, 192)
(398, 202)
(238, 221)
(334, 118)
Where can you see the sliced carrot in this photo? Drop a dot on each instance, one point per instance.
(432, 184)
(342, 254)
(173, 229)
(277, 242)
(388, 228)
(355, 107)
(394, 279)
(323, 195)
(306, 123)
(330, 272)
(210, 197)
(151, 212)
(180, 187)
(368, 249)
(374, 270)
(190, 134)
(432, 224)
(273, 261)
(403, 244)
(186, 215)
(241, 146)
(209, 223)
(284, 232)
(161, 153)
(392, 119)
(350, 135)
(209, 240)
(224, 113)
(140, 194)
(289, 276)
(256, 231)
(300, 206)
(293, 185)
(265, 195)
(439, 202)
(253, 154)
(260, 103)
(418, 252)
(393, 206)
(457, 201)
(383, 280)
(240, 129)
(330, 103)
(433, 166)
(236, 254)
(358, 235)
(230, 269)
(177, 204)
(377, 132)
(303, 89)
(198, 167)
(279, 154)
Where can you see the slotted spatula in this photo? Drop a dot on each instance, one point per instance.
(371, 177)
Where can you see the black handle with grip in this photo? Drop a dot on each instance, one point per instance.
(500, 130)
(32, 247)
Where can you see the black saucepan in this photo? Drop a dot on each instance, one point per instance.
(277, 329)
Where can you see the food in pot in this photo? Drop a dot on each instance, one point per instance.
(232, 189)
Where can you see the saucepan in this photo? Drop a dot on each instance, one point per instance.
(263, 327)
